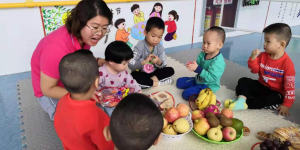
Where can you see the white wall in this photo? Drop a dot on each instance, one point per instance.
(254, 17)
(22, 33)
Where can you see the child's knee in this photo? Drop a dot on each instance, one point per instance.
(186, 94)
(181, 82)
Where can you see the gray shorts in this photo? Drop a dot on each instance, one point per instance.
(107, 110)
(49, 105)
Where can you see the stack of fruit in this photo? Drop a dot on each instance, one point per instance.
(176, 120)
(217, 126)
(206, 98)
(275, 145)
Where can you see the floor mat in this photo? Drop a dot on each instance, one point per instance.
(40, 133)
(233, 72)
(37, 129)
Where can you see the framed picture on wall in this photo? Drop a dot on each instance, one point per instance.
(250, 3)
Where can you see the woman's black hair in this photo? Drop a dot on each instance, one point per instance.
(118, 51)
(175, 15)
(157, 4)
(83, 12)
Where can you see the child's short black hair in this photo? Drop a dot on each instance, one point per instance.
(78, 71)
(135, 123)
(134, 7)
(118, 51)
(281, 30)
(220, 31)
(155, 22)
(119, 21)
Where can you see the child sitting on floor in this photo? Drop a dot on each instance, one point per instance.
(150, 51)
(113, 73)
(135, 124)
(275, 88)
(78, 122)
(210, 65)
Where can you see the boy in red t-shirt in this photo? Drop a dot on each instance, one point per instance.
(78, 122)
(275, 88)
(136, 123)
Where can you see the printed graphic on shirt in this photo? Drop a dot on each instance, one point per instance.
(273, 72)
(266, 79)
(171, 24)
(290, 92)
(122, 34)
(290, 82)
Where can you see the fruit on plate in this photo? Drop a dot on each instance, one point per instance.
(183, 109)
(220, 127)
(205, 98)
(229, 134)
(169, 130)
(196, 114)
(215, 134)
(246, 131)
(181, 125)
(213, 122)
(227, 112)
(165, 123)
(212, 108)
(201, 126)
(210, 114)
(226, 122)
(275, 145)
(172, 114)
(237, 125)
(219, 116)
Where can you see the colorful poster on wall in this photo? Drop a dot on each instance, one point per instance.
(129, 20)
(54, 18)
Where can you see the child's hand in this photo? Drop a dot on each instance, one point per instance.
(149, 58)
(156, 59)
(283, 110)
(192, 66)
(97, 99)
(254, 54)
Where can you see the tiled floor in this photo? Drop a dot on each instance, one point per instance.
(236, 49)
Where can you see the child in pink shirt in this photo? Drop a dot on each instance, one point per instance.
(113, 73)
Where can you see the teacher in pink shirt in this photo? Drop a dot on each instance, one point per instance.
(86, 25)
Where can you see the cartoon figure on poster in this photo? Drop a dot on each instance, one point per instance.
(138, 15)
(157, 10)
(122, 34)
(171, 26)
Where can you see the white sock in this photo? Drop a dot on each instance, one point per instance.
(165, 82)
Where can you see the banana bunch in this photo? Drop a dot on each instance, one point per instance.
(206, 97)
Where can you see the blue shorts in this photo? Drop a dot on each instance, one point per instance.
(49, 105)
(190, 86)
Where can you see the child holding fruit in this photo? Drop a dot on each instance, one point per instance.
(135, 124)
(113, 73)
(149, 51)
(210, 65)
(78, 122)
(275, 87)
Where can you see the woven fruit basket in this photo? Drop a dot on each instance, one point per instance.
(179, 136)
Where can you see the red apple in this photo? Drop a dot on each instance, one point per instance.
(227, 112)
(172, 114)
(196, 114)
(183, 109)
(229, 134)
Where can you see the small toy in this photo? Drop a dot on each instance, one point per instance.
(148, 67)
(112, 96)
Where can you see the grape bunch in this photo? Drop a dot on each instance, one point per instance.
(276, 144)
